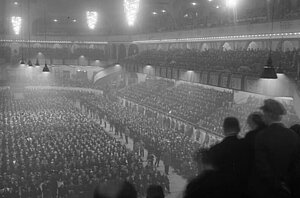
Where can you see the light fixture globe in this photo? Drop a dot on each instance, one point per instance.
(46, 68)
(269, 70)
(29, 63)
(22, 63)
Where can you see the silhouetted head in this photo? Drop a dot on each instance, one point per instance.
(155, 191)
(231, 126)
(115, 190)
(255, 120)
(272, 111)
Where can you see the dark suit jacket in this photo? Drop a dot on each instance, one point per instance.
(228, 157)
(211, 184)
(276, 150)
(249, 143)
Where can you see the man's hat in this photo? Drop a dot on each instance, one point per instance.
(274, 107)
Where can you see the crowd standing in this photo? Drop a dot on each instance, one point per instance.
(172, 146)
(50, 149)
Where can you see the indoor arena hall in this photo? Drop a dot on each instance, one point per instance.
(150, 98)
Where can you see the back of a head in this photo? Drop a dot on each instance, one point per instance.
(255, 120)
(231, 126)
(122, 189)
(273, 111)
(296, 128)
(155, 191)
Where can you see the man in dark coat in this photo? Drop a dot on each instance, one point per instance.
(227, 156)
(256, 125)
(276, 155)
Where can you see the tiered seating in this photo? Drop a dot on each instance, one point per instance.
(141, 91)
(241, 111)
(188, 102)
(65, 53)
(218, 60)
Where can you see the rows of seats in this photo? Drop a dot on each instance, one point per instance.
(193, 18)
(143, 90)
(205, 107)
(50, 149)
(213, 122)
(188, 102)
(218, 60)
(64, 53)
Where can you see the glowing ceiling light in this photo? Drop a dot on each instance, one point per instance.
(16, 24)
(131, 8)
(231, 3)
(92, 19)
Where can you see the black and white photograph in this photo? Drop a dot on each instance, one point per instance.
(149, 98)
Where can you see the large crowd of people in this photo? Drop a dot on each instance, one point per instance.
(50, 149)
(204, 107)
(235, 61)
(172, 146)
(185, 101)
(213, 122)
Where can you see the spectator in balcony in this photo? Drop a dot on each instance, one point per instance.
(212, 182)
(276, 155)
(227, 156)
(256, 124)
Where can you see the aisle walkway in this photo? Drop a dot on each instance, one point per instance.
(177, 183)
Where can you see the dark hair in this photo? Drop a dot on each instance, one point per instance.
(257, 119)
(296, 128)
(231, 124)
(155, 191)
(122, 189)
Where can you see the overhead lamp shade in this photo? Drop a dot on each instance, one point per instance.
(37, 62)
(269, 71)
(22, 63)
(279, 70)
(46, 68)
(30, 63)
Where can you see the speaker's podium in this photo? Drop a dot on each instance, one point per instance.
(17, 89)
